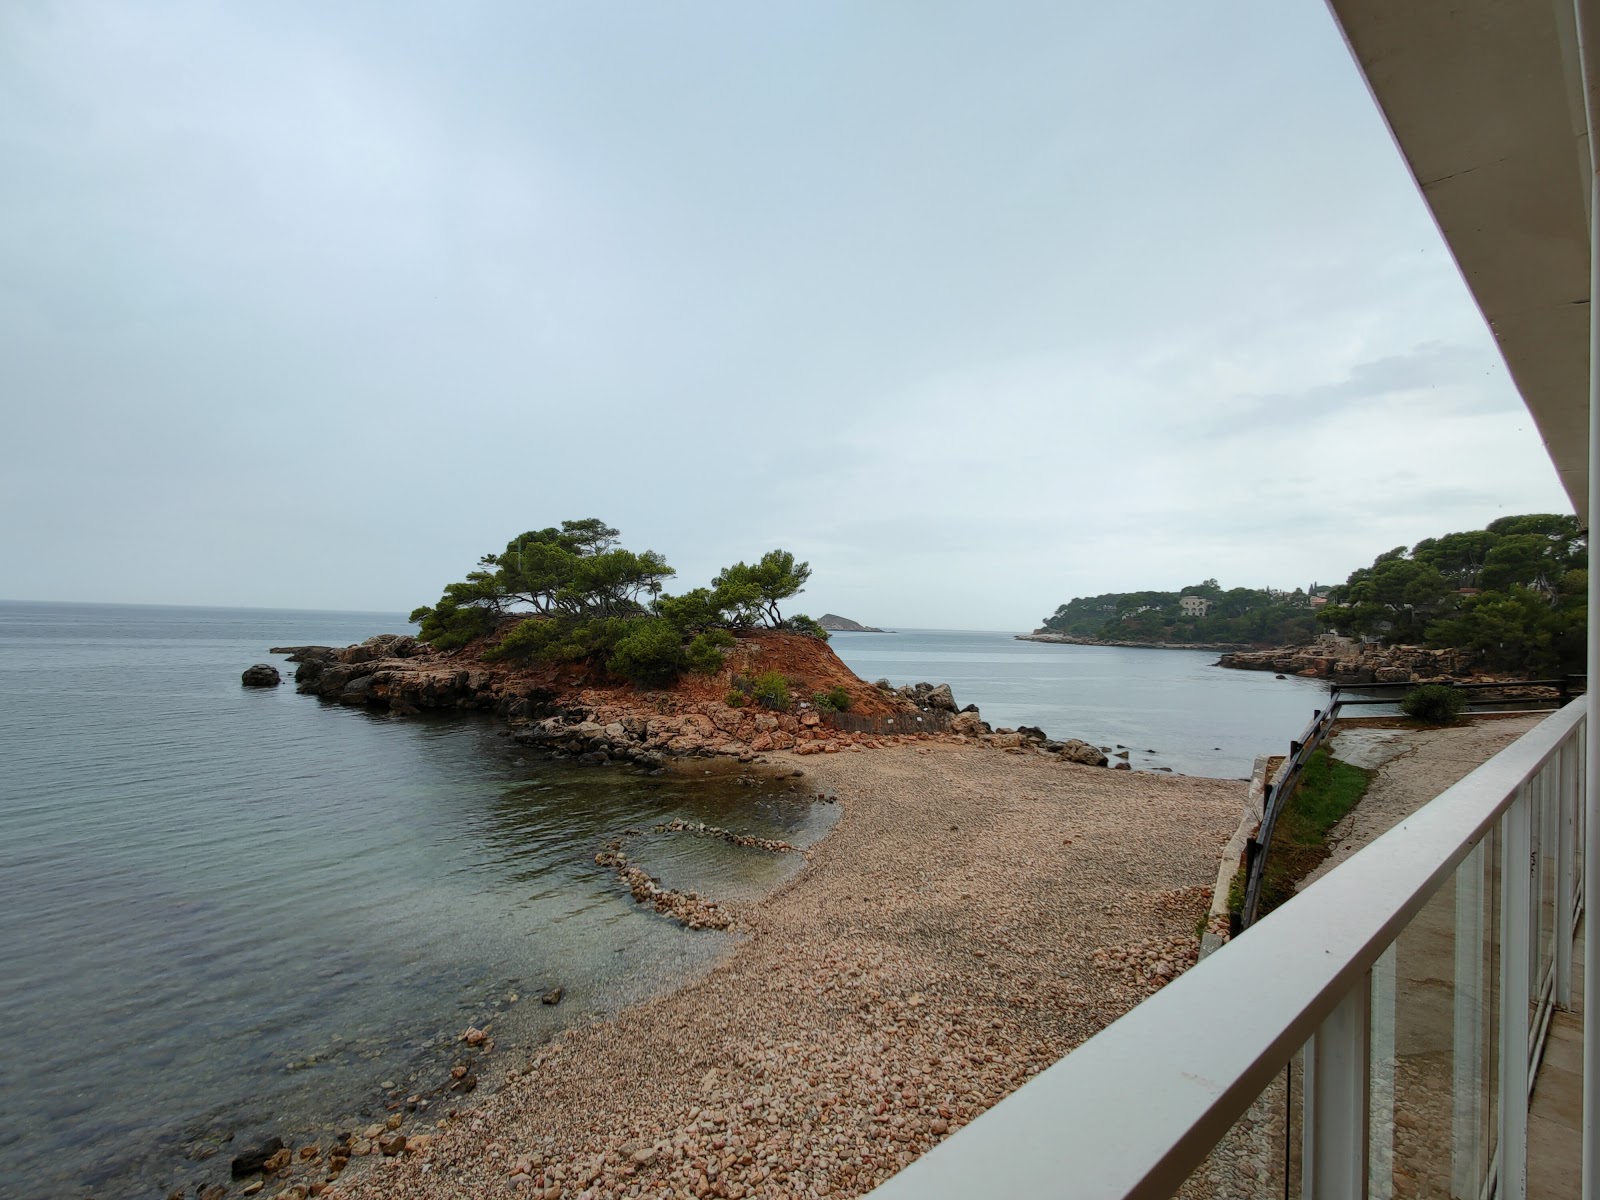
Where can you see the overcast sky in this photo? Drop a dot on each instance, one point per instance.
(977, 307)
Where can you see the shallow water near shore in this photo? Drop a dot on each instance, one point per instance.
(1200, 719)
(241, 911)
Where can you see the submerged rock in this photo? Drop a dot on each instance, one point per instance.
(253, 1159)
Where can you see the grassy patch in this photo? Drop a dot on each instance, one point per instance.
(1328, 789)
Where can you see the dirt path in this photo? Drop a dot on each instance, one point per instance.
(975, 914)
(1413, 766)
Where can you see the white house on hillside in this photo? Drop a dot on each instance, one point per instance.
(1194, 606)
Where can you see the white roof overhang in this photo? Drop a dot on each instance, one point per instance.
(1485, 102)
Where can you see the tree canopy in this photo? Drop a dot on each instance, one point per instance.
(1513, 593)
(572, 592)
(1233, 615)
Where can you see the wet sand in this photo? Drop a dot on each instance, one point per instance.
(975, 914)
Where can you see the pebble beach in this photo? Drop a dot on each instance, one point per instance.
(974, 915)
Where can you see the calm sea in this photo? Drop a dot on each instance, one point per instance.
(229, 911)
(1199, 719)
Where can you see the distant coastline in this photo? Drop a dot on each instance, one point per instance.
(1067, 639)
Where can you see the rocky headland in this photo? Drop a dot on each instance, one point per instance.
(1357, 663)
(834, 623)
(574, 711)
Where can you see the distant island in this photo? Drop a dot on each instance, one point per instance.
(834, 623)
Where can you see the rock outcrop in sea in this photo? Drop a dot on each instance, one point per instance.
(1356, 663)
(572, 711)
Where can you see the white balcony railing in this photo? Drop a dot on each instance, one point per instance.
(1375, 1036)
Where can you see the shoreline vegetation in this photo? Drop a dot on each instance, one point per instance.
(1505, 601)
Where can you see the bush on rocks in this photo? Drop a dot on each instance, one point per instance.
(1434, 704)
(704, 655)
(771, 690)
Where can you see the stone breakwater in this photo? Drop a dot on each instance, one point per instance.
(701, 829)
(688, 908)
(567, 714)
(1355, 664)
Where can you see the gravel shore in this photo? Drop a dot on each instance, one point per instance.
(974, 915)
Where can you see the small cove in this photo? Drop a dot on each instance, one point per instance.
(227, 910)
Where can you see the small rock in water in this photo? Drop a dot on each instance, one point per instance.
(261, 675)
(387, 1085)
(475, 1037)
(553, 996)
(215, 1192)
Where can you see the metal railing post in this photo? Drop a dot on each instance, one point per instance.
(1467, 1029)
(1338, 1090)
(1380, 1125)
(1516, 855)
(1566, 860)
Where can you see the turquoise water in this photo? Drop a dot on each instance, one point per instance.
(229, 911)
(1199, 719)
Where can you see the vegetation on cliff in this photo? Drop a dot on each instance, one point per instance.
(1513, 594)
(570, 593)
(1231, 615)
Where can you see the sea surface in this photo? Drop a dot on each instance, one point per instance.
(227, 913)
(1169, 708)
(230, 912)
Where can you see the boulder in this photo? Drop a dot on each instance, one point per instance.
(969, 724)
(253, 1159)
(1072, 750)
(261, 675)
(941, 698)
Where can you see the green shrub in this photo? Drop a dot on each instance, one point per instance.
(771, 689)
(704, 655)
(529, 638)
(734, 698)
(1434, 703)
(449, 625)
(833, 700)
(800, 623)
(650, 652)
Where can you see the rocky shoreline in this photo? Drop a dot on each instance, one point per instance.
(592, 722)
(1356, 663)
(875, 1005)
